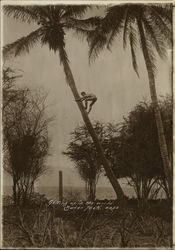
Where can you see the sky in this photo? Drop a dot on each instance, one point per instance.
(110, 77)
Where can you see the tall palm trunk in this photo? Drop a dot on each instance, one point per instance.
(160, 129)
(14, 190)
(109, 172)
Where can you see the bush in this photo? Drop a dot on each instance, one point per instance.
(38, 199)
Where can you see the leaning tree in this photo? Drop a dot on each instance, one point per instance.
(53, 21)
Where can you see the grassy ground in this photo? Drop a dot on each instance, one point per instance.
(132, 225)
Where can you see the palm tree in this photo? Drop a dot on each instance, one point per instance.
(150, 26)
(53, 21)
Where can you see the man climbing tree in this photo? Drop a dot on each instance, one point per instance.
(88, 98)
(52, 33)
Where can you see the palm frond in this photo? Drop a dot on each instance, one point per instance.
(151, 60)
(75, 10)
(83, 28)
(22, 45)
(165, 11)
(89, 23)
(60, 10)
(55, 11)
(160, 23)
(22, 13)
(97, 42)
(126, 25)
(83, 33)
(115, 31)
(133, 45)
(41, 10)
(154, 36)
(107, 29)
(113, 18)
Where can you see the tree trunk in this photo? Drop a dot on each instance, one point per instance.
(109, 172)
(166, 188)
(92, 189)
(86, 189)
(160, 129)
(14, 190)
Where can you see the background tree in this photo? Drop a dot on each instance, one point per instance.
(10, 94)
(26, 141)
(151, 25)
(82, 152)
(53, 22)
(137, 149)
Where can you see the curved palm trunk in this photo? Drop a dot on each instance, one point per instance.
(109, 172)
(160, 129)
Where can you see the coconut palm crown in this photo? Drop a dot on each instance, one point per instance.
(52, 21)
(124, 20)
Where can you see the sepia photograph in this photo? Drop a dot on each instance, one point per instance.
(87, 124)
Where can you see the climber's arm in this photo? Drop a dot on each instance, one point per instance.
(80, 99)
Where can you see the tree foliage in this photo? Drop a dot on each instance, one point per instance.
(82, 152)
(26, 139)
(150, 27)
(54, 21)
(131, 146)
(122, 20)
(138, 152)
